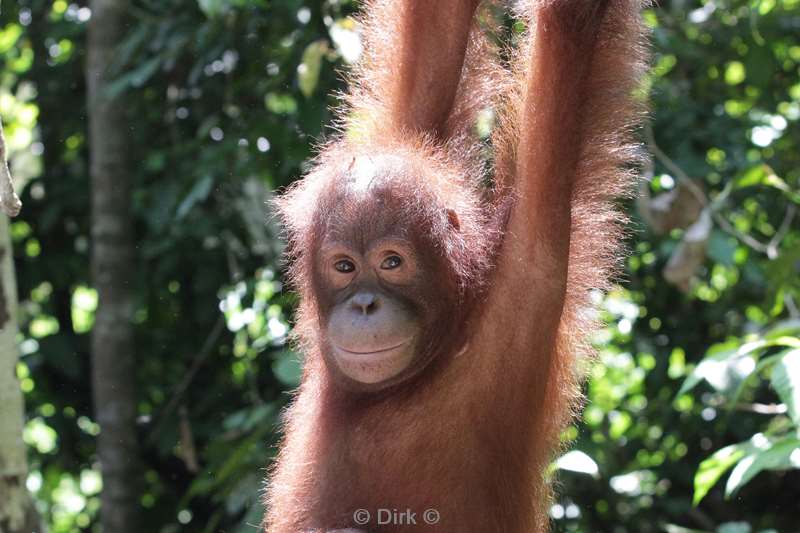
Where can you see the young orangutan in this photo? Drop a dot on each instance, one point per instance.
(443, 321)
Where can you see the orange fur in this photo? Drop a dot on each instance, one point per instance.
(472, 434)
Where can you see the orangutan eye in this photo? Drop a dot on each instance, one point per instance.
(391, 262)
(344, 266)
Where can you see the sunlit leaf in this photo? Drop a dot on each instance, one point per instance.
(786, 381)
(712, 469)
(308, 71)
(764, 6)
(780, 455)
(754, 176)
(724, 368)
(346, 39)
(9, 37)
(578, 461)
(783, 328)
(734, 527)
(735, 73)
(724, 372)
(282, 104)
(672, 528)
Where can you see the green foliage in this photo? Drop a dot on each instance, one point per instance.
(219, 117)
(698, 381)
(693, 385)
(734, 373)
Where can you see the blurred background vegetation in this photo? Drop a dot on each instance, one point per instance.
(693, 414)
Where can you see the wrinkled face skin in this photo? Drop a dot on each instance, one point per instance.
(373, 330)
(382, 291)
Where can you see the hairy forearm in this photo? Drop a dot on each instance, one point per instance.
(414, 56)
(554, 115)
(432, 41)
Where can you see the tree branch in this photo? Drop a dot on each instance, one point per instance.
(202, 355)
(763, 408)
(673, 167)
(770, 249)
(9, 201)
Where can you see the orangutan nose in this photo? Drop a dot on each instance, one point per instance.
(364, 302)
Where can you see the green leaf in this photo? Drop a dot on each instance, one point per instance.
(734, 527)
(753, 176)
(9, 36)
(780, 455)
(762, 364)
(135, 78)
(725, 367)
(783, 328)
(764, 6)
(578, 461)
(672, 528)
(766, 176)
(288, 369)
(308, 71)
(721, 248)
(735, 73)
(255, 515)
(710, 470)
(786, 382)
(280, 103)
(133, 44)
(198, 193)
(724, 371)
(212, 8)
(767, 362)
(689, 383)
(243, 494)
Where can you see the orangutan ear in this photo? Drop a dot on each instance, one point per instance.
(452, 218)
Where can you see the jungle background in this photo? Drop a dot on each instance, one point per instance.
(693, 414)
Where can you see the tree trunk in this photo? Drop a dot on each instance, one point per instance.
(17, 513)
(113, 355)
